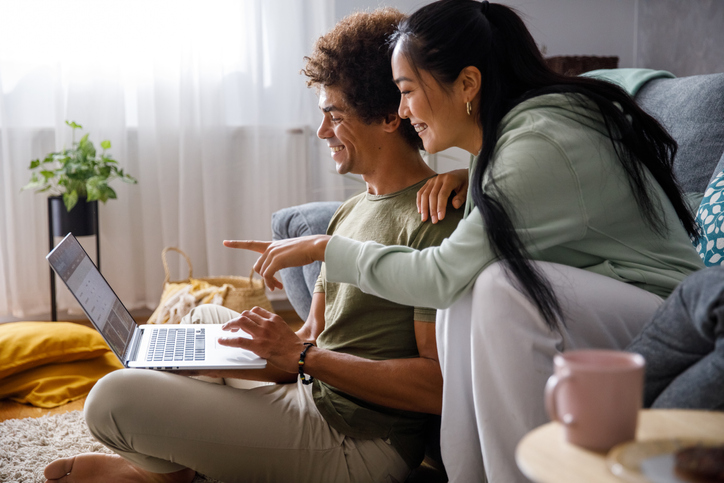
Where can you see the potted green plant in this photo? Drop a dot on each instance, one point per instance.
(78, 176)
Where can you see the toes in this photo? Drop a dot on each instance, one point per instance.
(59, 468)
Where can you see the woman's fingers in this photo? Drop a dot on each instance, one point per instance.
(429, 198)
(259, 247)
(433, 197)
(461, 188)
(460, 197)
(423, 197)
(253, 245)
(291, 252)
(274, 260)
(260, 267)
(436, 191)
(449, 185)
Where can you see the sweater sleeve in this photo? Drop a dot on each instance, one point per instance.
(434, 276)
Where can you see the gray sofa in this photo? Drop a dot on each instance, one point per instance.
(691, 108)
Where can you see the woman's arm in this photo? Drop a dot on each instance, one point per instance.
(435, 276)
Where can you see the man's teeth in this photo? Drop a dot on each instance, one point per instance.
(336, 149)
(420, 127)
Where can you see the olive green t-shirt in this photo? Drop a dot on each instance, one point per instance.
(374, 328)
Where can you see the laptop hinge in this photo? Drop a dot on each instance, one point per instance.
(135, 344)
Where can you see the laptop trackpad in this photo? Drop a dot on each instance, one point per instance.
(233, 354)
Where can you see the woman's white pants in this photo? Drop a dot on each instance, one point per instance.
(496, 354)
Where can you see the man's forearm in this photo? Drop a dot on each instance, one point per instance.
(413, 384)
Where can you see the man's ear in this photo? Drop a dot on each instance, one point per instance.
(469, 81)
(391, 122)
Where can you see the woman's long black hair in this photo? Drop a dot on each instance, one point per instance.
(446, 36)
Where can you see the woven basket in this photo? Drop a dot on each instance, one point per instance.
(239, 294)
(573, 65)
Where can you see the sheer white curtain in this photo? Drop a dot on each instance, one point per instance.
(203, 103)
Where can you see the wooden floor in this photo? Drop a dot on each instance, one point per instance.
(12, 410)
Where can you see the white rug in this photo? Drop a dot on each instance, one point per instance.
(28, 445)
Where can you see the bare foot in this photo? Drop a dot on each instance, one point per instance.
(90, 467)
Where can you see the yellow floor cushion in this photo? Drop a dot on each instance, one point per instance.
(53, 385)
(48, 364)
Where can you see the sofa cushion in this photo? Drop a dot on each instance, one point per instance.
(710, 220)
(692, 109)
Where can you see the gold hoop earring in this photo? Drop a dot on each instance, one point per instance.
(469, 107)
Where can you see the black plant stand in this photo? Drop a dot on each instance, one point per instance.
(82, 220)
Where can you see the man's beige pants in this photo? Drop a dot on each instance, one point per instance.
(164, 422)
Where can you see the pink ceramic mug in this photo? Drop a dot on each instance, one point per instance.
(596, 395)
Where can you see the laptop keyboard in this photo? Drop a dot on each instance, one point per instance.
(175, 344)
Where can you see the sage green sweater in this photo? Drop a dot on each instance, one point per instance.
(570, 202)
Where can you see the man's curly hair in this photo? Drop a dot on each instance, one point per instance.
(354, 56)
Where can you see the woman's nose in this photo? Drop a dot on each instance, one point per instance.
(403, 110)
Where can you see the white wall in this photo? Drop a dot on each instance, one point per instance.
(685, 38)
(565, 27)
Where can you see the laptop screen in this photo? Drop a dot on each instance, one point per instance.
(93, 293)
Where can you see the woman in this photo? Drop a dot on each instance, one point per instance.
(574, 230)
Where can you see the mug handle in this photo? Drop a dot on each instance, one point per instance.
(554, 382)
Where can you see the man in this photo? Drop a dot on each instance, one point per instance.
(375, 373)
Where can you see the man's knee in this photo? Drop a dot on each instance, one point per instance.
(307, 219)
(281, 223)
(110, 394)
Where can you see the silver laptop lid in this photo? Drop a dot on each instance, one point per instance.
(98, 300)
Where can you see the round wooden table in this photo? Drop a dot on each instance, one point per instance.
(545, 457)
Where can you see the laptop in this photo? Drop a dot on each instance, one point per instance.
(161, 347)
